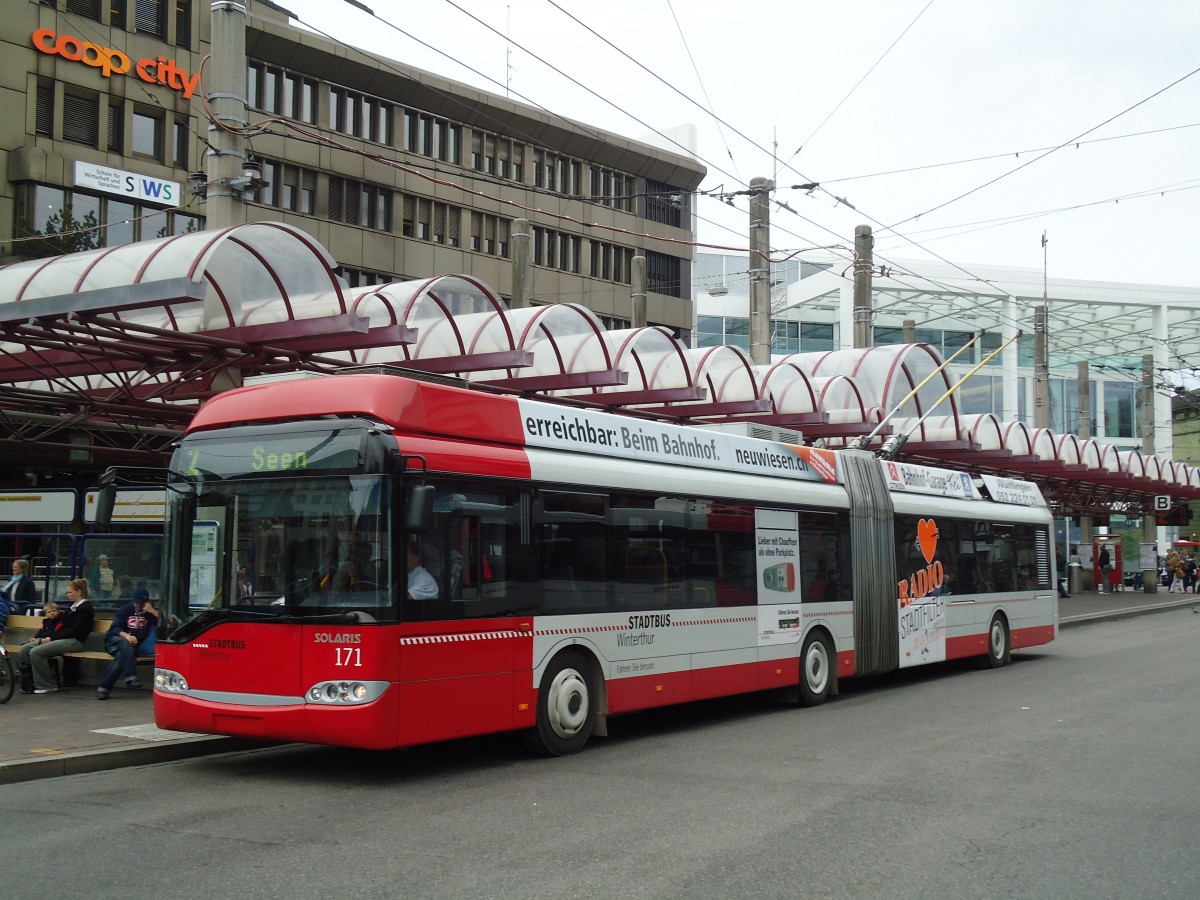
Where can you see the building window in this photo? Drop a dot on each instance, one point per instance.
(430, 136)
(490, 234)
(663, 274)
(179, 144)
(1121, 419)
(288, 187)
(81, 119)
(816, 337)
(273, 90)
(611, 262)
(116, 128)
(665, 204)
(499, 156)
(613, 189)
(88, 8)
(360, 115)
(150, 16)
(428, 220)
(54, 220)
(147, 135)
(356, 203)
(557, 173)
(44, 113)
(556, 249)
(183, 24)
(356, 278)
(117, 11)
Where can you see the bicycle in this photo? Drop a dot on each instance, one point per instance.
(8, 676)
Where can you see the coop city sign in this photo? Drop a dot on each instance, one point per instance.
(113, 62)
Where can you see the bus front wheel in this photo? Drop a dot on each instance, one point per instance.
(816, 676)
(999, 645)
(566, 707)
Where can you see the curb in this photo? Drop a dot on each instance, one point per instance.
(104, 760)
(1131, 612)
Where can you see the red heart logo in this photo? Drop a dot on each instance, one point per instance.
(927, 537)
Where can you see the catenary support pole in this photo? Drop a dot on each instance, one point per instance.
(760, 270)
(864, 263)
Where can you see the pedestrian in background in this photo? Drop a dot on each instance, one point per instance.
(1105, 562)
(1060, 565)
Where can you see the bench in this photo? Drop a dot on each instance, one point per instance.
(22, 628)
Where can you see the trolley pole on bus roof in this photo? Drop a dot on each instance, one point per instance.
(862, 442)
(760, 270)
(892, 446)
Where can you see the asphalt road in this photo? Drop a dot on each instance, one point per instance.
(1070, 774)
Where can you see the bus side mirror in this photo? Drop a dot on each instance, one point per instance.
(106, 498)
(418, 510)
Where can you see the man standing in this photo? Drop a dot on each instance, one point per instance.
(1060, 565)
(1105, 567)
(131, 635)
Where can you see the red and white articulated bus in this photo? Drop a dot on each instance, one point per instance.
(577, 564)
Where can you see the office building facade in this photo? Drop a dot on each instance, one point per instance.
(401, 174)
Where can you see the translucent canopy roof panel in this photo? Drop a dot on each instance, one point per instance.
(451, 316)
(652, 357)
(242, 267)
(888, 374)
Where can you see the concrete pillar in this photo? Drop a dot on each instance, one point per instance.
(638, 285)
(864, 262)
(760, 270)
(521, 240)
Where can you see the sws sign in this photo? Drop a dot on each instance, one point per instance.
(113, 62)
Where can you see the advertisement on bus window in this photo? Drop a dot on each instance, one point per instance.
(777, 545)
(922, 625)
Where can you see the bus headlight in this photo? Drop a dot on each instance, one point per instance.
(341, 693)
(169, 682)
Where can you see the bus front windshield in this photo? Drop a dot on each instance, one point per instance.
(288, 546)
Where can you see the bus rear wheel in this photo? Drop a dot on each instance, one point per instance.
(999, 645)
(816, 670)
(566, 707)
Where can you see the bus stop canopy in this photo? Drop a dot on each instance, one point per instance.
(105, 355)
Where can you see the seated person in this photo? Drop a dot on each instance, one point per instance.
(358, 573)
(67, 638)
(51, 622)
(421, 585)
(19, 592)
(131, 635)
(124, 590)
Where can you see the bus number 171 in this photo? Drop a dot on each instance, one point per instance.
(349, 656)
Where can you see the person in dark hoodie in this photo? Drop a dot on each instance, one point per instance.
(131, 635)
(76, 625)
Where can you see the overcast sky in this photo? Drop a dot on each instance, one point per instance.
(962, 80)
